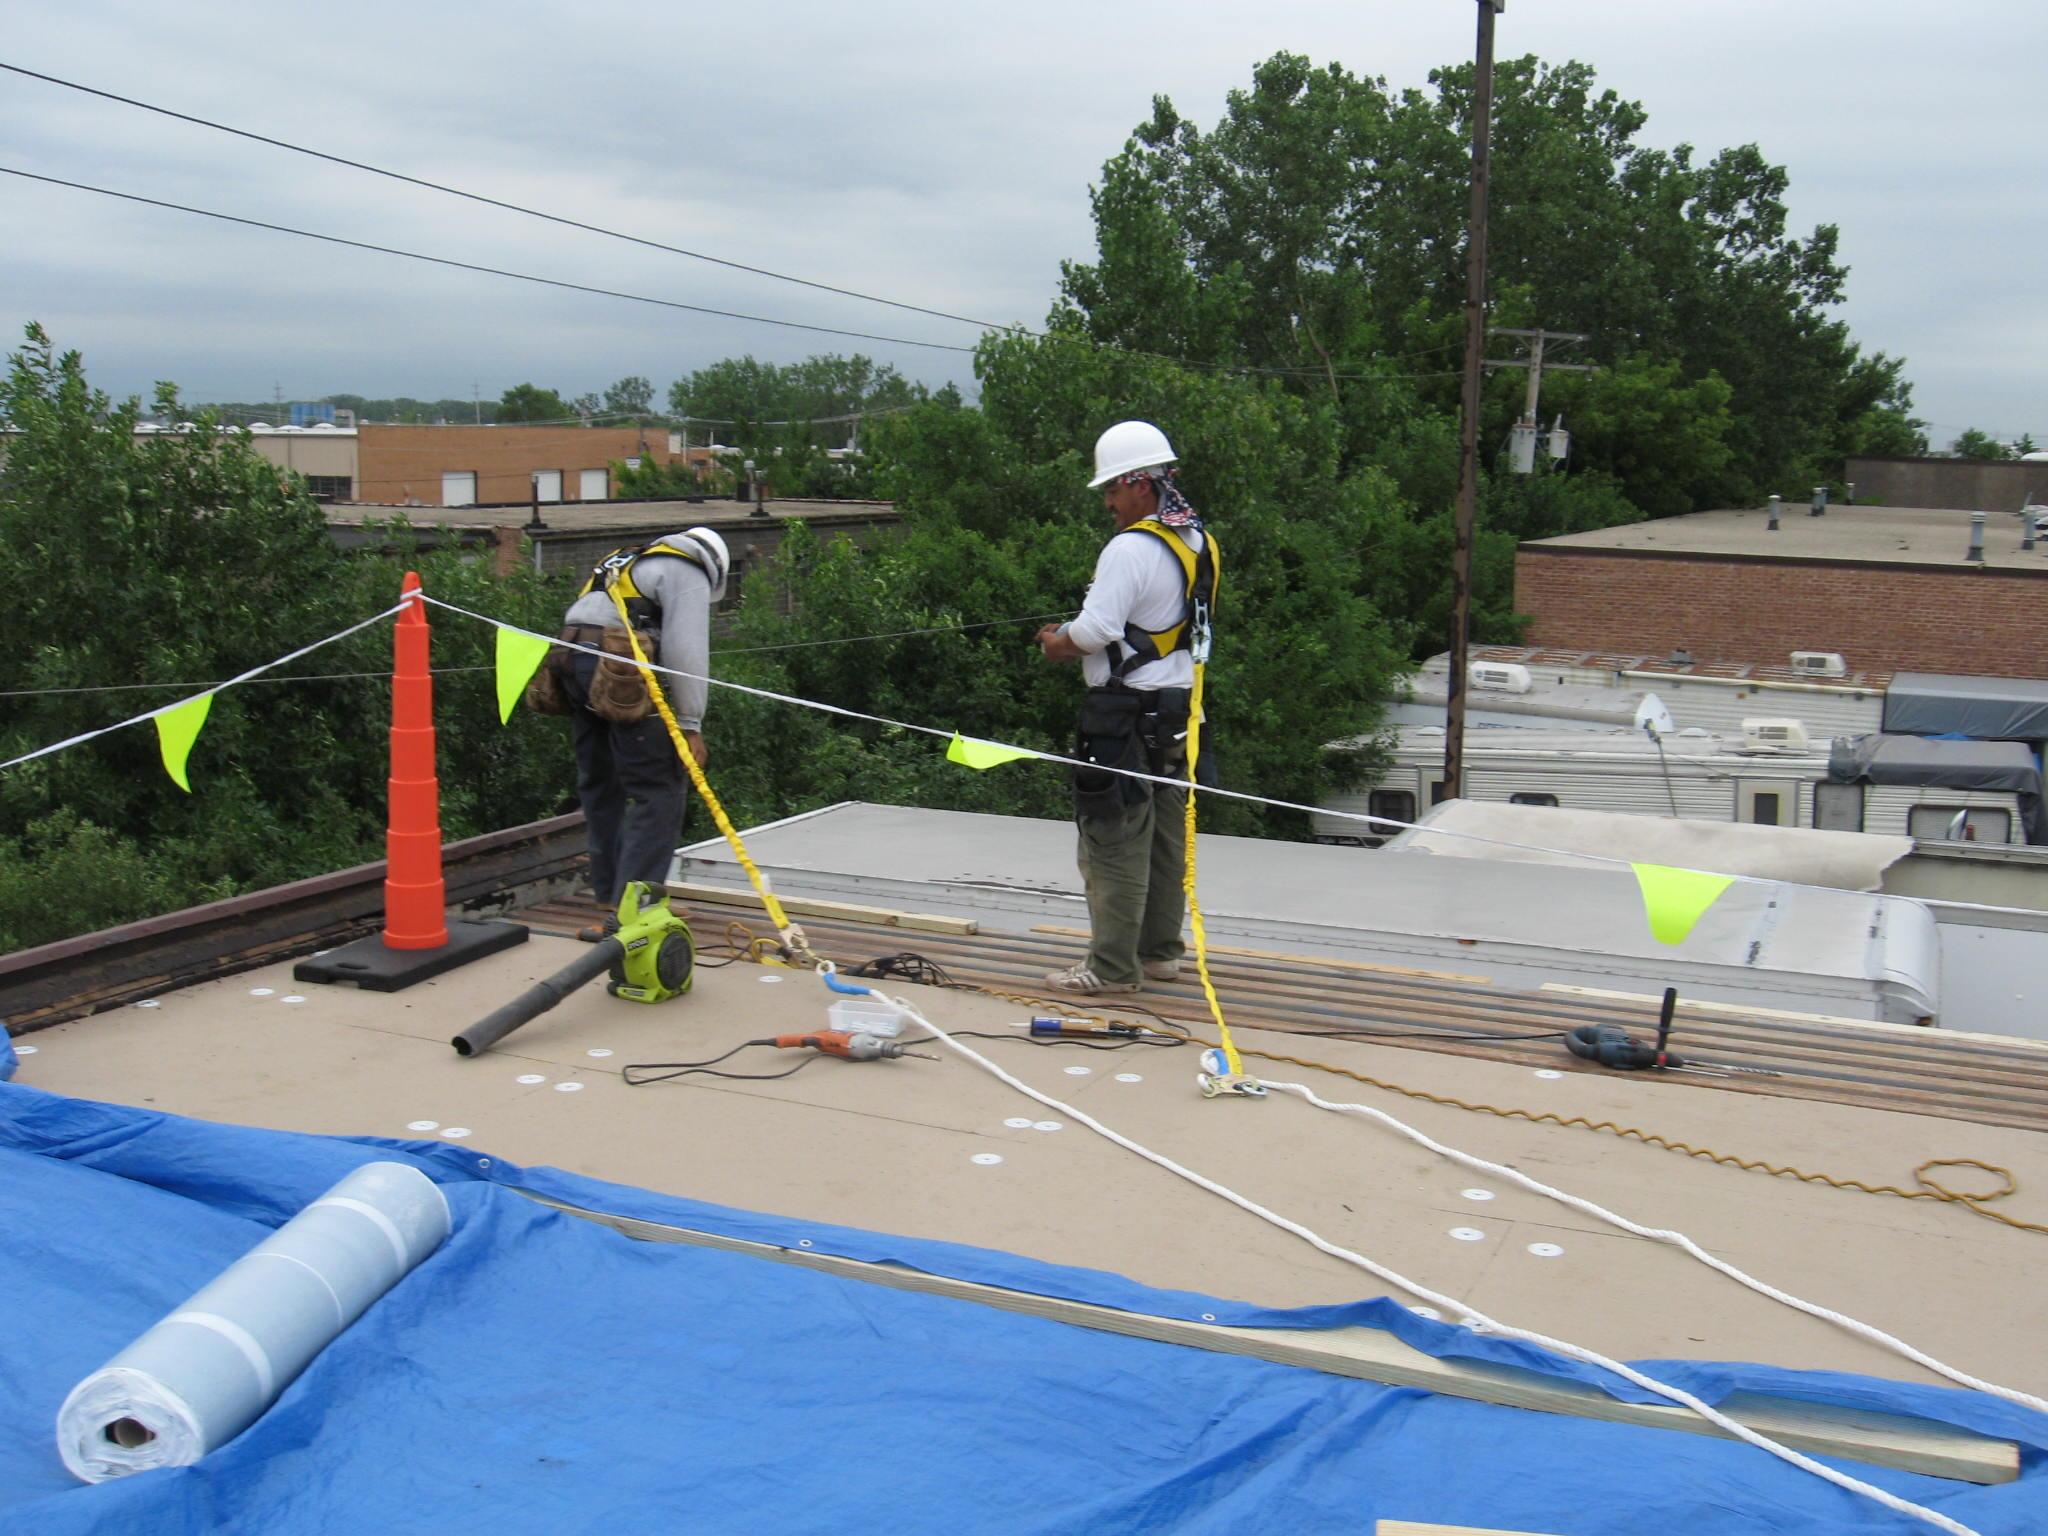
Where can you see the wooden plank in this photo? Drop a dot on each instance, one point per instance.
(1930, 1033)
(1368, 1354)
(1269, 954)
(806, 906)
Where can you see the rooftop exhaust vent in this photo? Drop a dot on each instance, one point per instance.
(1774, 736)
(1820, 663)
(1501, 676)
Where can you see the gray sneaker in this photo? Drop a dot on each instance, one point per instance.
(1162, 970)
(1079, 978)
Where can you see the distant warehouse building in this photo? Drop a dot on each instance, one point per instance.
(455, 466)
(1890, 589)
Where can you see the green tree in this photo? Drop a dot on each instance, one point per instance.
(1979, 445)
(631, 396)
(529, 402)
(1317, 230)
(153, 565)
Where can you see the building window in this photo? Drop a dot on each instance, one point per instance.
(1394, 804)
(1532, 799)
(593, 484)
(1763, 808)
(1957, 824)
(458, 487)
(330, 487)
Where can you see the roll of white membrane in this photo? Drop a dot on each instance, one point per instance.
(209, 1370)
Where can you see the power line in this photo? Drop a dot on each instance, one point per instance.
(676, 250)
(736, 650)
(697, 309)
(478, 197)
(471, 266)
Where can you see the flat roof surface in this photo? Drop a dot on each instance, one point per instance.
(570, 518)
(893, 1147)
(1907, 535)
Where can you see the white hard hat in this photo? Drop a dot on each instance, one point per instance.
(1127, 446)
(721, 557)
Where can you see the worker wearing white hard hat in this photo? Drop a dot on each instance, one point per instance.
(632, 785)
(1155, 581)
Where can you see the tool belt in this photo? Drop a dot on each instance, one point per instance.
(544, 695)
(1134, 730)
(618, 688)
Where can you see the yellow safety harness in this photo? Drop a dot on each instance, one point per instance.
(615, 574)
(1203, 573)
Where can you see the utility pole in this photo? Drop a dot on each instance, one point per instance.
(1522, 456)
(476, 395)
(1468, 432)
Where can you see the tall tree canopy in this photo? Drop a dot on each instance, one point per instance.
(1318, 228)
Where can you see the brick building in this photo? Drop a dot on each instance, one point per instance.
(456, 466)
(495, 466)
(1889, 588)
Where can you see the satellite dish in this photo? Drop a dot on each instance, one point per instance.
(1652, 717)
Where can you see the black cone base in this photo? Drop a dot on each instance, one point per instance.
(368, 963)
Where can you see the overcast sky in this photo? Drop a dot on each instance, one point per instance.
(936, 154)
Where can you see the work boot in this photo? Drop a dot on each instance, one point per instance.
(1162, 970)
(1079, 978)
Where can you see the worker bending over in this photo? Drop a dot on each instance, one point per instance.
(628, 776)
(1154, 584)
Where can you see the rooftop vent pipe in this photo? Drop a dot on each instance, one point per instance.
(1976, 538)
(1771, 526)
(1820, 502)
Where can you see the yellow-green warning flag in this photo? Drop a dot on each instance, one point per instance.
(519, 657)
(1676, 899)
(969, 752)
(176, 729)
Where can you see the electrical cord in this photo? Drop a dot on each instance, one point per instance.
(665, 1071)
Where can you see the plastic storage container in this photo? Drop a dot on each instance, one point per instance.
(864, 1016)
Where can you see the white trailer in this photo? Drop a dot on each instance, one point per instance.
(1538, 684)
(1968, 791)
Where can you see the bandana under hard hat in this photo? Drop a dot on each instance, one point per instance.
(1174, 510)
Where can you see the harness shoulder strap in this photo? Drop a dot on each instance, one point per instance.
(1202, 573)
(616, 568)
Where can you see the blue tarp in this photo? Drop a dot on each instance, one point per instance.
(543, 1374)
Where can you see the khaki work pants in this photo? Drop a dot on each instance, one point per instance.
(1132, 864)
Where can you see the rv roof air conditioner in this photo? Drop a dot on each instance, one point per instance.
(1773, 736)
(1820, 663)
(1500, 676)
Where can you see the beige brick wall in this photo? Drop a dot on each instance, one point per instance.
(402, 464)
(1882, 617)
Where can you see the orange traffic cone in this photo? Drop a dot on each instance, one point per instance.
(418, 941)
(415, 896)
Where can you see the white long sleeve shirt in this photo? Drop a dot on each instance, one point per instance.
(683, 593)
(1137, 581)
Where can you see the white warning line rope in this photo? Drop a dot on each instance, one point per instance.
(243, 677)
(947, 734)
(1470, 1314)
(1664, 1235)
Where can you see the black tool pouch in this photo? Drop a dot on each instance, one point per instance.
(1109, 738)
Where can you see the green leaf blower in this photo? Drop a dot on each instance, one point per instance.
(651, 959)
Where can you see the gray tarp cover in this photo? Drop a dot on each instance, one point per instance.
(1985, 765)
(1991, 708)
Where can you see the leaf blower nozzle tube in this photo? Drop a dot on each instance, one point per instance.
(538, 998)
